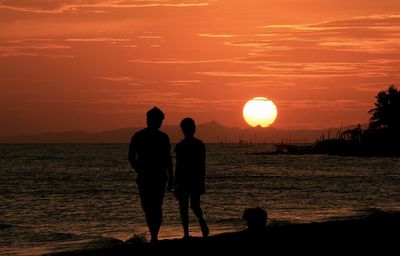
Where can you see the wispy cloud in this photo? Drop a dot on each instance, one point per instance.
(150, 37)
(285, 74)
(356, 48)
(18, 54)
(184, 82)
(51, 7)
(196, 104)
(368, 34)
(177, 61)
(260, 84)
(116, 78)
(215, 35)
(369, 87)
(323, 104)
(251, 43)
(40, 46)
(124, 100)
(34, 47)
(234, 74)
(99, 39)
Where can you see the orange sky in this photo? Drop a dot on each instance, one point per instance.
(98, 65)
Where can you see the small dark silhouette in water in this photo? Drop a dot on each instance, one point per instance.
(150, 156)
(256, 219)
(190, 176)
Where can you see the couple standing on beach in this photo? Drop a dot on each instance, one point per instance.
(150, 156)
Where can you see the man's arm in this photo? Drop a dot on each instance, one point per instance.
(203, 167)
(132, 155)
(169, 167)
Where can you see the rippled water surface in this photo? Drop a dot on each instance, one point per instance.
(64, 196)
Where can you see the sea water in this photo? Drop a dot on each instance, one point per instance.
(56, 197)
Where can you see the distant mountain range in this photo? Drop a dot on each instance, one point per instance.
(211, 132)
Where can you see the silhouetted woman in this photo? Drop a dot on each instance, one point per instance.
(190, 175)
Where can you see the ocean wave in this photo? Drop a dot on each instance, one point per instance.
(55, 237)
(11, 234)
(16, 240)
(83, 245)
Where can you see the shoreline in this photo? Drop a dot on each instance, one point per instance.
(376, 231)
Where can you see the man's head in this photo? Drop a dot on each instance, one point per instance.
(188, 127)
(155, 118)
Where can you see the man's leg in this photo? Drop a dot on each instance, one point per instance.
(156, 210)
(151, 200)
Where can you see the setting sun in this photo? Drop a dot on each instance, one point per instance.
(260, 111)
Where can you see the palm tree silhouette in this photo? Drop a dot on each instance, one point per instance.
(386, 114)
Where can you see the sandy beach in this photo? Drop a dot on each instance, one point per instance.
(377, 232)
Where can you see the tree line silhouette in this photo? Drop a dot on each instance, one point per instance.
(382, 137)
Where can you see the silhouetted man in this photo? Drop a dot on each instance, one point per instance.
(150, 156)
(190, 175)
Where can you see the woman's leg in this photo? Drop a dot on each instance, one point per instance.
(195, 205)
(183, 199)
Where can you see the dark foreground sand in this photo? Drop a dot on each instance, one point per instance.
(378, 234)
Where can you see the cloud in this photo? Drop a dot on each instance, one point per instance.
(185, 82)
(99, 39)
(372, 21)
(60, 27)
(279, 69)
(18, 54)
(320, 88)
(199, 104)
(150, 37)
(234, 74)
(52, 7)
(40, 46)
(322, 105)
(116, 78)
(356, 48)
(215, 35)
(260, 83)
(286, 73)
(124, 100)
(368, 34)
(250, 43)
(177, 61)
(369, 87)
(33, 47)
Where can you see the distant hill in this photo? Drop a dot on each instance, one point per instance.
(211, 132)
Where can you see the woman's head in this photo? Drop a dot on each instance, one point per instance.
(188, 127)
